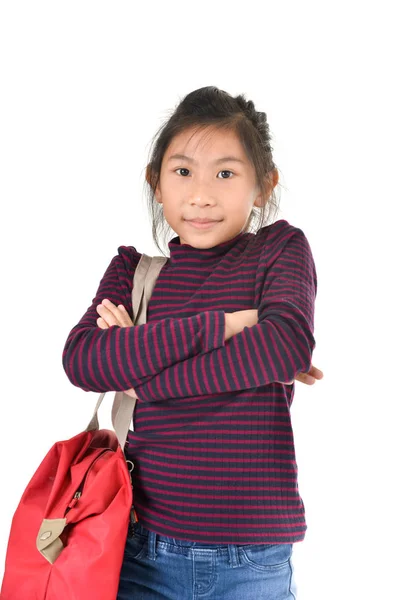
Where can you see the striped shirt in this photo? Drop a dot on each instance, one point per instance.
(213, 442)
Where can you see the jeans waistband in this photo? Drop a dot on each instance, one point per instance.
(185, 546)
(139, 529)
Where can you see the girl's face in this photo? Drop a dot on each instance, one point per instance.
(206, 184)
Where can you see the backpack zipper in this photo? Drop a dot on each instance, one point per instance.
(79, 491)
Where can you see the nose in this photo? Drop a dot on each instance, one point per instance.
(200, 195)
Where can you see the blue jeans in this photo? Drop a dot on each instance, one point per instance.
(156, 567)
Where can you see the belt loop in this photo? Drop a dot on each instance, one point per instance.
(233, 556)
(151, 542)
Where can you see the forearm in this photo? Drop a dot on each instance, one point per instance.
(271, 351)
(275, 349)
(119, 358)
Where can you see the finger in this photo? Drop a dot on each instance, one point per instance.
(318, 374)
(125, 318)
(121, 316)
(305, 378)
(107, 315)
(314, 372)
(113, 314)
(101, 323)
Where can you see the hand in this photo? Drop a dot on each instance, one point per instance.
(310, 377)
(235, 323)
(112, 315)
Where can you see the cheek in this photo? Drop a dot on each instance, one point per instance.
(238, 209)
(171, 212)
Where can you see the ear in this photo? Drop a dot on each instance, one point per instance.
(157, 195)
(270, 182)
(148, 173)
(157, 192)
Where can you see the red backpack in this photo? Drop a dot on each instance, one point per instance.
(68, 533)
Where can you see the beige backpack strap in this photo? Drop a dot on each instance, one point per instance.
(146, 274)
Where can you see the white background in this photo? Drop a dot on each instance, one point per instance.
(84, 87)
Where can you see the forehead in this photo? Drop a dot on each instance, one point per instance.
(210, 142)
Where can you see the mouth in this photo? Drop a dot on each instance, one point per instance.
(202, 223)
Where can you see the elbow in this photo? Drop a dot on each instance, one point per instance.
(73, 371)
(67, 362)
(306, 344)
(296, 340)
(303, 345)
(300, 332)
(86, 361)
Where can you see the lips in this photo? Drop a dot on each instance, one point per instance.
(202, 220)
(202, 223)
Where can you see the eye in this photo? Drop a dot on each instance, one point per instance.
(224, 171)
(181, 169)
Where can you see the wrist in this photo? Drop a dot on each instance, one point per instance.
(228, 325)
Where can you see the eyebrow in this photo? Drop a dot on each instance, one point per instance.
(217, 161)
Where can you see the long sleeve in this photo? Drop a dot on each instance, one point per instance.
(276, 349)
(119, 358)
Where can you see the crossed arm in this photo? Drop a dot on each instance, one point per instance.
(273, 343)
(117, 315)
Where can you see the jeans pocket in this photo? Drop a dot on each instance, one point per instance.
(266, 557)
(135, 546)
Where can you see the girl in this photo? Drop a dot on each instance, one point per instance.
(229, 327)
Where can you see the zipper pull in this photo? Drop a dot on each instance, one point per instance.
(75, 499)
(133, 518)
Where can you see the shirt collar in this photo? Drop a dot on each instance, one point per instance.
(182, 253)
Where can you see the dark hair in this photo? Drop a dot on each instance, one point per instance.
(202, 108)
